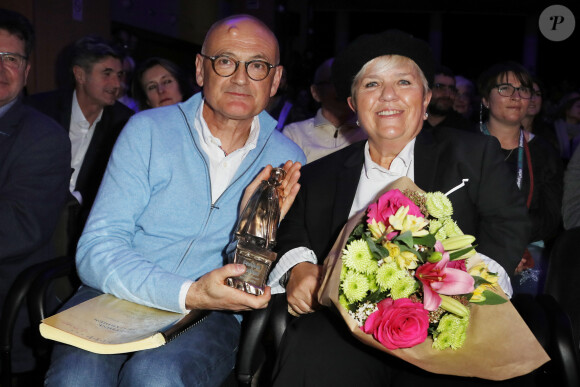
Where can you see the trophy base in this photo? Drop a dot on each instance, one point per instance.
(258, 264)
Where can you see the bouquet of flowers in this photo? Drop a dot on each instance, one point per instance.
(407, 281)
(404, 272)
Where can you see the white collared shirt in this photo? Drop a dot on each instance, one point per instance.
(80, 134)
(222, 167)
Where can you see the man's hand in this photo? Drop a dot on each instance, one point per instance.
(287, 190)
(527, 262)
(302, 287)
(211, 292)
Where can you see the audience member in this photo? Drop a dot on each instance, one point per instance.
(90, 113)
(34, 174)
(167, 209)
(124, 91)
(466, 99)
(389, 73)
(160, 82)
(334, 125)
(534, 121)
(568, 125)
(571, 200)
(440, 111)
(282, 105)
(506, 90)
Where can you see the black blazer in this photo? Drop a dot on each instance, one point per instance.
(34, 179)
(490, 206)
(58, 105)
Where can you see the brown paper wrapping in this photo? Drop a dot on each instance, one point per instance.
(499, 344)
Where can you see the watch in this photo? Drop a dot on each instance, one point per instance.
(285, 278)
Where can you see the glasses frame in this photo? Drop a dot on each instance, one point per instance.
(514, 90)
(3, 54)
(237, 62)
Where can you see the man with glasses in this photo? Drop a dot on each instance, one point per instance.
(34, 173)
(333, 127)
(167, 209)
(440, 110)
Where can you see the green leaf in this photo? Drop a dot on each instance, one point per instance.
(479, 281)
(458, 253)
(405, 238)
(377, 250)
(427, 240)
(357, 232)
(491, 298)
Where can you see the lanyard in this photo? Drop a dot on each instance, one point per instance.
(523, 146)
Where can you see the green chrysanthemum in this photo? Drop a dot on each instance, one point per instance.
(459, 336)
(451, 228)
(343, 271)
(439, 205)
(442, 340)
(403, 288)
(436, 227)
(343, 301)
(355, 286)
(358, 256)
(373, 286)
(449, 323)
(451, 332)
(388, 274)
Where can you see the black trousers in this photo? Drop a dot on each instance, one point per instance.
(319, 350)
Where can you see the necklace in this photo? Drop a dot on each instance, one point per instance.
(509, 154)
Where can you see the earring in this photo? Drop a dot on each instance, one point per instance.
(357, 123)
(426, 115)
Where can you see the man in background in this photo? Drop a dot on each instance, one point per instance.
(440, 108)
(34, 174)
(91, 114)
(334, 125)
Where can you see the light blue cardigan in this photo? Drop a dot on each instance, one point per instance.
(153, 226)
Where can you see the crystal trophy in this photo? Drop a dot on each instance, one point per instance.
(256, 235)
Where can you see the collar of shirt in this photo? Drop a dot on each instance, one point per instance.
(374, 178)
(213, 144)
(78, 118)
(400, 166)
(5, 108)
(222, 167)
(320, 122)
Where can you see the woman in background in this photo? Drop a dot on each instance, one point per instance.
(534, 121)
(160, 82)
(568, 126)
(506, 90)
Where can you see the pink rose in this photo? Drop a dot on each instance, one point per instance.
(397, 324)
(388, 204)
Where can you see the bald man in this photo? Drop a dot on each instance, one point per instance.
(167, 209)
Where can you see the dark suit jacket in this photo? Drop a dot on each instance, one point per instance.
(58, 105)
(490, 207)
(34, 179)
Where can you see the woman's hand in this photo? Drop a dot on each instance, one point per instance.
(287, 191)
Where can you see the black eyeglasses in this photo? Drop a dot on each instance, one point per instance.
(507, 90)
(224, 66)
(442, 87)
(12, 60)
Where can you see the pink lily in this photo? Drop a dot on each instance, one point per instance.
(437, 279)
